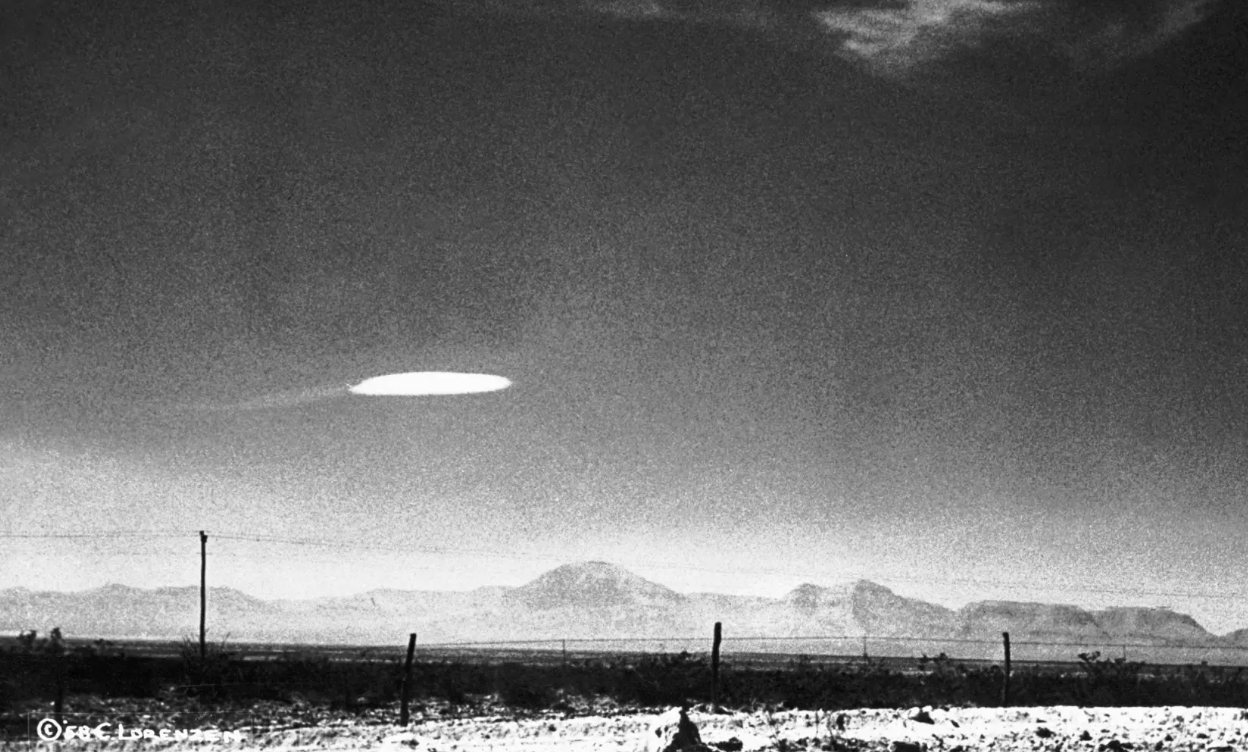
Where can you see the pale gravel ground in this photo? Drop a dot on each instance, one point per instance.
(1167, 728)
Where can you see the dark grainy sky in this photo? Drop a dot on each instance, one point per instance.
(949, 294)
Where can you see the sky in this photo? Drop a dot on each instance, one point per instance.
(944, 294)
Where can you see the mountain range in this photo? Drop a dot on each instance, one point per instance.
(600, 601)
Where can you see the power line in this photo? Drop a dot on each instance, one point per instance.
(683, 567)
(325, 544)
(660, 565)
(114, 534)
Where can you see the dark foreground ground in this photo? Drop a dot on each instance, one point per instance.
(351, 698)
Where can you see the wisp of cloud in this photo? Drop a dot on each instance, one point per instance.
(904, 39)
(274, 400)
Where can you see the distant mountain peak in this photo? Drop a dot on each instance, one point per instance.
(597, 599)
(806, 597)
(599, 568)
(1150, 621)
(867, 587)
(851, 588)
(592, 584)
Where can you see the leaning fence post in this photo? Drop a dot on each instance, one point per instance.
(407, 678)
(1005, 681)
(715, 666)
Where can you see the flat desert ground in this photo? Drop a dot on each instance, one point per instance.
(1018, 728)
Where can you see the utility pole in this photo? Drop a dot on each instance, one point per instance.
(718, 636)
(1005, 679)
(203, 592)
(407, 680)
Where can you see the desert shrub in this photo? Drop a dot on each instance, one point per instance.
(667, 680)
(453, 681)
(803, 684)
(367, 684)
(30, 671)
(942, 676)
(114, 675)
(29, 643)
(208, 675)
(526, 687)
(1109, 683)
(590, 679)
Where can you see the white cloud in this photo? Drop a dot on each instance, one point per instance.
(429, 383)
(901, 39)
(897, 40)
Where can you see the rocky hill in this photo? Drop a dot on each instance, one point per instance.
(600, 600)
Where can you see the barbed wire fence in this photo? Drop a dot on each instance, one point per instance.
(351, 670)
(749, 649)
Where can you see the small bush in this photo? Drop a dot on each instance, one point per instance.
(29, 672)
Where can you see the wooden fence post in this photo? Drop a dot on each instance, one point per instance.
(715, 667)
(1005, 682)
(203, 593)
(407, 679)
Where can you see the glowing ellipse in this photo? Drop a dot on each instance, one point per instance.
(429, 382)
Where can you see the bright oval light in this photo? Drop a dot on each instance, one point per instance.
(429, 382)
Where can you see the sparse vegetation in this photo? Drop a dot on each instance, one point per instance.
(30, 643)
(364, 683)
